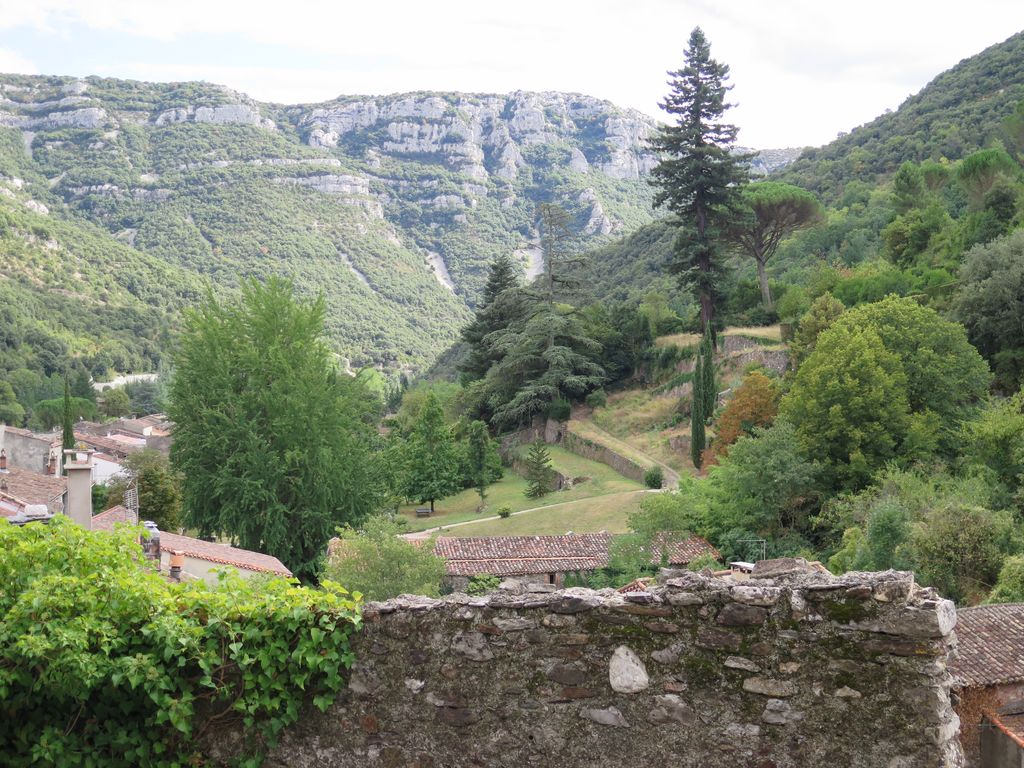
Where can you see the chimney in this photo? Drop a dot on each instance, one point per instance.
(51, 464)
(177, 562)
(3, 461)
(78, 505)
(151, 543)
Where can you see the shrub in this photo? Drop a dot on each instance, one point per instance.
(87, 626)
(481, 585)
(504, 511)
(379, 563)
(597, 399)
(706, 560)
(654, 477)
(560, 410)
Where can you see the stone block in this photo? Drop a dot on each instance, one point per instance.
(627, 672)
(609, 716)
(767, 687)
(740, 615)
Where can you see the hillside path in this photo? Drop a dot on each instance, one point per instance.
(592, 431)
(426, 534)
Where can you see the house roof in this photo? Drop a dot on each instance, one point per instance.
(33, 487)
(525, 555)
(221, 554)
(990, 645)
(110, 445)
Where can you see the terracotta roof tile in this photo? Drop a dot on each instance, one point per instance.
(197, 548)
(34, 487)
(991, 645)
(525, 555)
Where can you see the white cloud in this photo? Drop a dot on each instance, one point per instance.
(802, 69)
(14, 62)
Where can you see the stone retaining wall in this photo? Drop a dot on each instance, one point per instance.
(588, 449)
(793, 671)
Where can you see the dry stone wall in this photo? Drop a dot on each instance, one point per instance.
(789, 671)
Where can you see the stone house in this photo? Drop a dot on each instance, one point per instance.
(542, 559)
(988, 669)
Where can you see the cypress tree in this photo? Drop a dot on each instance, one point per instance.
(67, 421)
(697, 416)
(709, 387)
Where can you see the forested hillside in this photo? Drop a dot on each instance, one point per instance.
(962, 110)
(393, 207)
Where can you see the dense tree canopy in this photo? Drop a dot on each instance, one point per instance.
(273, 445)
(769, 212)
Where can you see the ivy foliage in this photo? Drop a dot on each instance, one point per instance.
(105, 663)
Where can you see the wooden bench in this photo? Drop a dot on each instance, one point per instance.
(422, 511)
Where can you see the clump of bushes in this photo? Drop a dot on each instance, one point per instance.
(481, 585)
(654, 477)
(504, 511)
(88, 626)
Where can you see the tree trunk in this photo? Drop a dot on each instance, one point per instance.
(766, 291)
(431, 506)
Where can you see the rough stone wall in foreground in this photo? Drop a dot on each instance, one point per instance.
(796, 671)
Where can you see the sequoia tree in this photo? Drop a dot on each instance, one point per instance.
(698, 178)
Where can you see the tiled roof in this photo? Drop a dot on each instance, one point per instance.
(105, 520)
(687, 550)
(197, 548)
(33, 487)
(524, 555)
(108, 445)
(991, 645)
(637, 585)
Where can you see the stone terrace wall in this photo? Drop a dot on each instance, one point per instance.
(790, 672)
(588, 449)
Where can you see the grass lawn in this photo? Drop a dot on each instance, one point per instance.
(678, 340)
(766, 332)
(511, 490)
(601, 513)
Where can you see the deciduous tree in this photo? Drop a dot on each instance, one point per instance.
(273, 445)
(431, 459)
(375, 561)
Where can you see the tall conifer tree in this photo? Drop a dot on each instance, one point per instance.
(698, 177)
(67, 422)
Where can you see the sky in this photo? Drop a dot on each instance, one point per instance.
(802, 70)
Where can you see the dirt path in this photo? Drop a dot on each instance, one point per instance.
(418, 535)
(590, 430)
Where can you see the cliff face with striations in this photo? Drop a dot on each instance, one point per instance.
(392, 206)
(792, 670)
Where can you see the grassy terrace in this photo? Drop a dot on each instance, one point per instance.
(511, 490)
(599, 513)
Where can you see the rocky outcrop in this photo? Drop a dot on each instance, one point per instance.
(480, 135)
(352, 190)
(598, 223)
(795, 669)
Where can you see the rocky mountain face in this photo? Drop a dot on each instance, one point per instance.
(392, 206)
